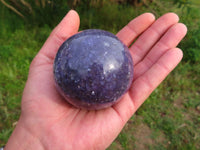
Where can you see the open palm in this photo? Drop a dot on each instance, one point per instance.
(58, 125)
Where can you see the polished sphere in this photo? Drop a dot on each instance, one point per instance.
(93, 69)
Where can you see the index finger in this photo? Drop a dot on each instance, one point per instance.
(135, 27)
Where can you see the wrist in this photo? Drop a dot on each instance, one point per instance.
(23, 139)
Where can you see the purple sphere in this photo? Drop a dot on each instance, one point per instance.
(93, 69)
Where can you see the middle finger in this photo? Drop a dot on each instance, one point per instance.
(148, 39)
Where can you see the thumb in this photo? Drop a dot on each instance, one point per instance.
(66, 28)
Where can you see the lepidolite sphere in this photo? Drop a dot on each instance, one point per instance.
(93, 69)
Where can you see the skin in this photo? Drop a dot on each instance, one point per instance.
(48, 122)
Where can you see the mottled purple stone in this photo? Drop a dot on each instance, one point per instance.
(93, 69)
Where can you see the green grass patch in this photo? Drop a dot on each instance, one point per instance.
(169, 119)
(16, 54)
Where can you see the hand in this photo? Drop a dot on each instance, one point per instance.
(47, 121)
